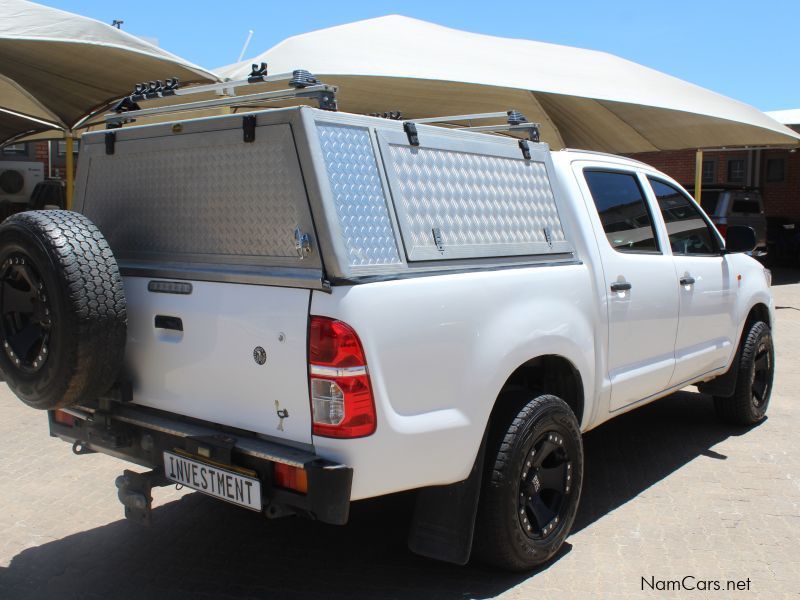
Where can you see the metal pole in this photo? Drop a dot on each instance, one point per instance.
(70, 169)
(698, 176)
(49, 159)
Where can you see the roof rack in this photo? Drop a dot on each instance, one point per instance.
(515, 121)
(302, 84)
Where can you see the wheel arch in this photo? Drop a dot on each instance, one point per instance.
(758, 312)
(545, 374)
(724, 385)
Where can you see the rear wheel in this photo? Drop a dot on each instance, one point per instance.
(748, 404)
(532, 485)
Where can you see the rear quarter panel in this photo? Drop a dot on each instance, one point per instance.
(439, 350)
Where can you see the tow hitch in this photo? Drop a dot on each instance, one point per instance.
(133, 490)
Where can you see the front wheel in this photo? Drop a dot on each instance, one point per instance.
(749, 402)
(532, 484)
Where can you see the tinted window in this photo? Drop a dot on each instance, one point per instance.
(689, 233)
(736, 170)
(746, 207)
(709, 201)
(776, 169)
(623, 211)
(709, 171)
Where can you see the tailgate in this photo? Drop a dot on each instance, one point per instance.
(227, 353)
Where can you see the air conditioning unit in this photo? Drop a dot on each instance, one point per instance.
(17, 180)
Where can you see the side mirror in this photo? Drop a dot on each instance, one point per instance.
(740, 238)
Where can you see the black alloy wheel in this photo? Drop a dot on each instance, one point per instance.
(750, 399)
(761, 377)
(544, 486)
(25, 317)
(532, 481)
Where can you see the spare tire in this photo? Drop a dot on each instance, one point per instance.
(63, 322)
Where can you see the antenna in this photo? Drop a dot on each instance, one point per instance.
(246, 44)
(117, 23)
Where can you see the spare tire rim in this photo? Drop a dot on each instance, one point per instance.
(545, 485)
(762, 375)
(25, 318)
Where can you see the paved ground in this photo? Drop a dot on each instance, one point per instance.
(669, 493)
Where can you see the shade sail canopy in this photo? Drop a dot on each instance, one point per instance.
(787, 117)
(59, 67)
(582, 98)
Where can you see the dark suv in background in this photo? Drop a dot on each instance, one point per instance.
(739, 206)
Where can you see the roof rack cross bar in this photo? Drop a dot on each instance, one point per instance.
(324, 94)
(453, 118)
(531, 128)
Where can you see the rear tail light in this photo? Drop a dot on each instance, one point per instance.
(342, 405)
(723, 229)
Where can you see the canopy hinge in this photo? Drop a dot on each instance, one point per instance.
(526, 149)
(257, 73)
(111, 140)
(411, 131)
(249, 128)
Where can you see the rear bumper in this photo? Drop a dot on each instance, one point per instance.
(141, 436)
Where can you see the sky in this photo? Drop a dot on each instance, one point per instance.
(745, 49)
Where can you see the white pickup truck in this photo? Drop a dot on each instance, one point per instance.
(306, 308)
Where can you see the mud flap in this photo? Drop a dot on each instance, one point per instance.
(444, 517)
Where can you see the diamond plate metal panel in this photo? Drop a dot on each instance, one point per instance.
(481, 204)
(358, 195)
(200, 196)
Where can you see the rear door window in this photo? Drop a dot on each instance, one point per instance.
(623, 210)
(689, 232)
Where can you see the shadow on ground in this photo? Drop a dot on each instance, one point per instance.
(202, 548)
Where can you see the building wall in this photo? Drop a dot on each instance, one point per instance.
(37, 151)
(781, 198)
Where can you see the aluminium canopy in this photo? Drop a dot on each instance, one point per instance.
(58, 67)
(582, 98)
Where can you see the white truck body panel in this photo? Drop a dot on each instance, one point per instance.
(208, 370)
(431, 392)
(456, 262)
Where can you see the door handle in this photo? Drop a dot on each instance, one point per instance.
(620, 286)
(687, 280)
(165, 322)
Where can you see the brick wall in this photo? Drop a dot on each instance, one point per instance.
(37, 151)
(781, 199)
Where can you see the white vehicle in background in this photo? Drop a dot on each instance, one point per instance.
(305, 308)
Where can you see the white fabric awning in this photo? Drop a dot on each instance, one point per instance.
(787, 117)
(583, 98)
(58, 67)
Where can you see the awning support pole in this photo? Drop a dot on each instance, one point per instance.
(698, 176)
(70, 167)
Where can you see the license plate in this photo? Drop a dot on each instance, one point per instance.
(211, 480)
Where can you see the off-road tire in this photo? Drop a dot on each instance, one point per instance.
(506, 531)
(60, 264)
(756, 371)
